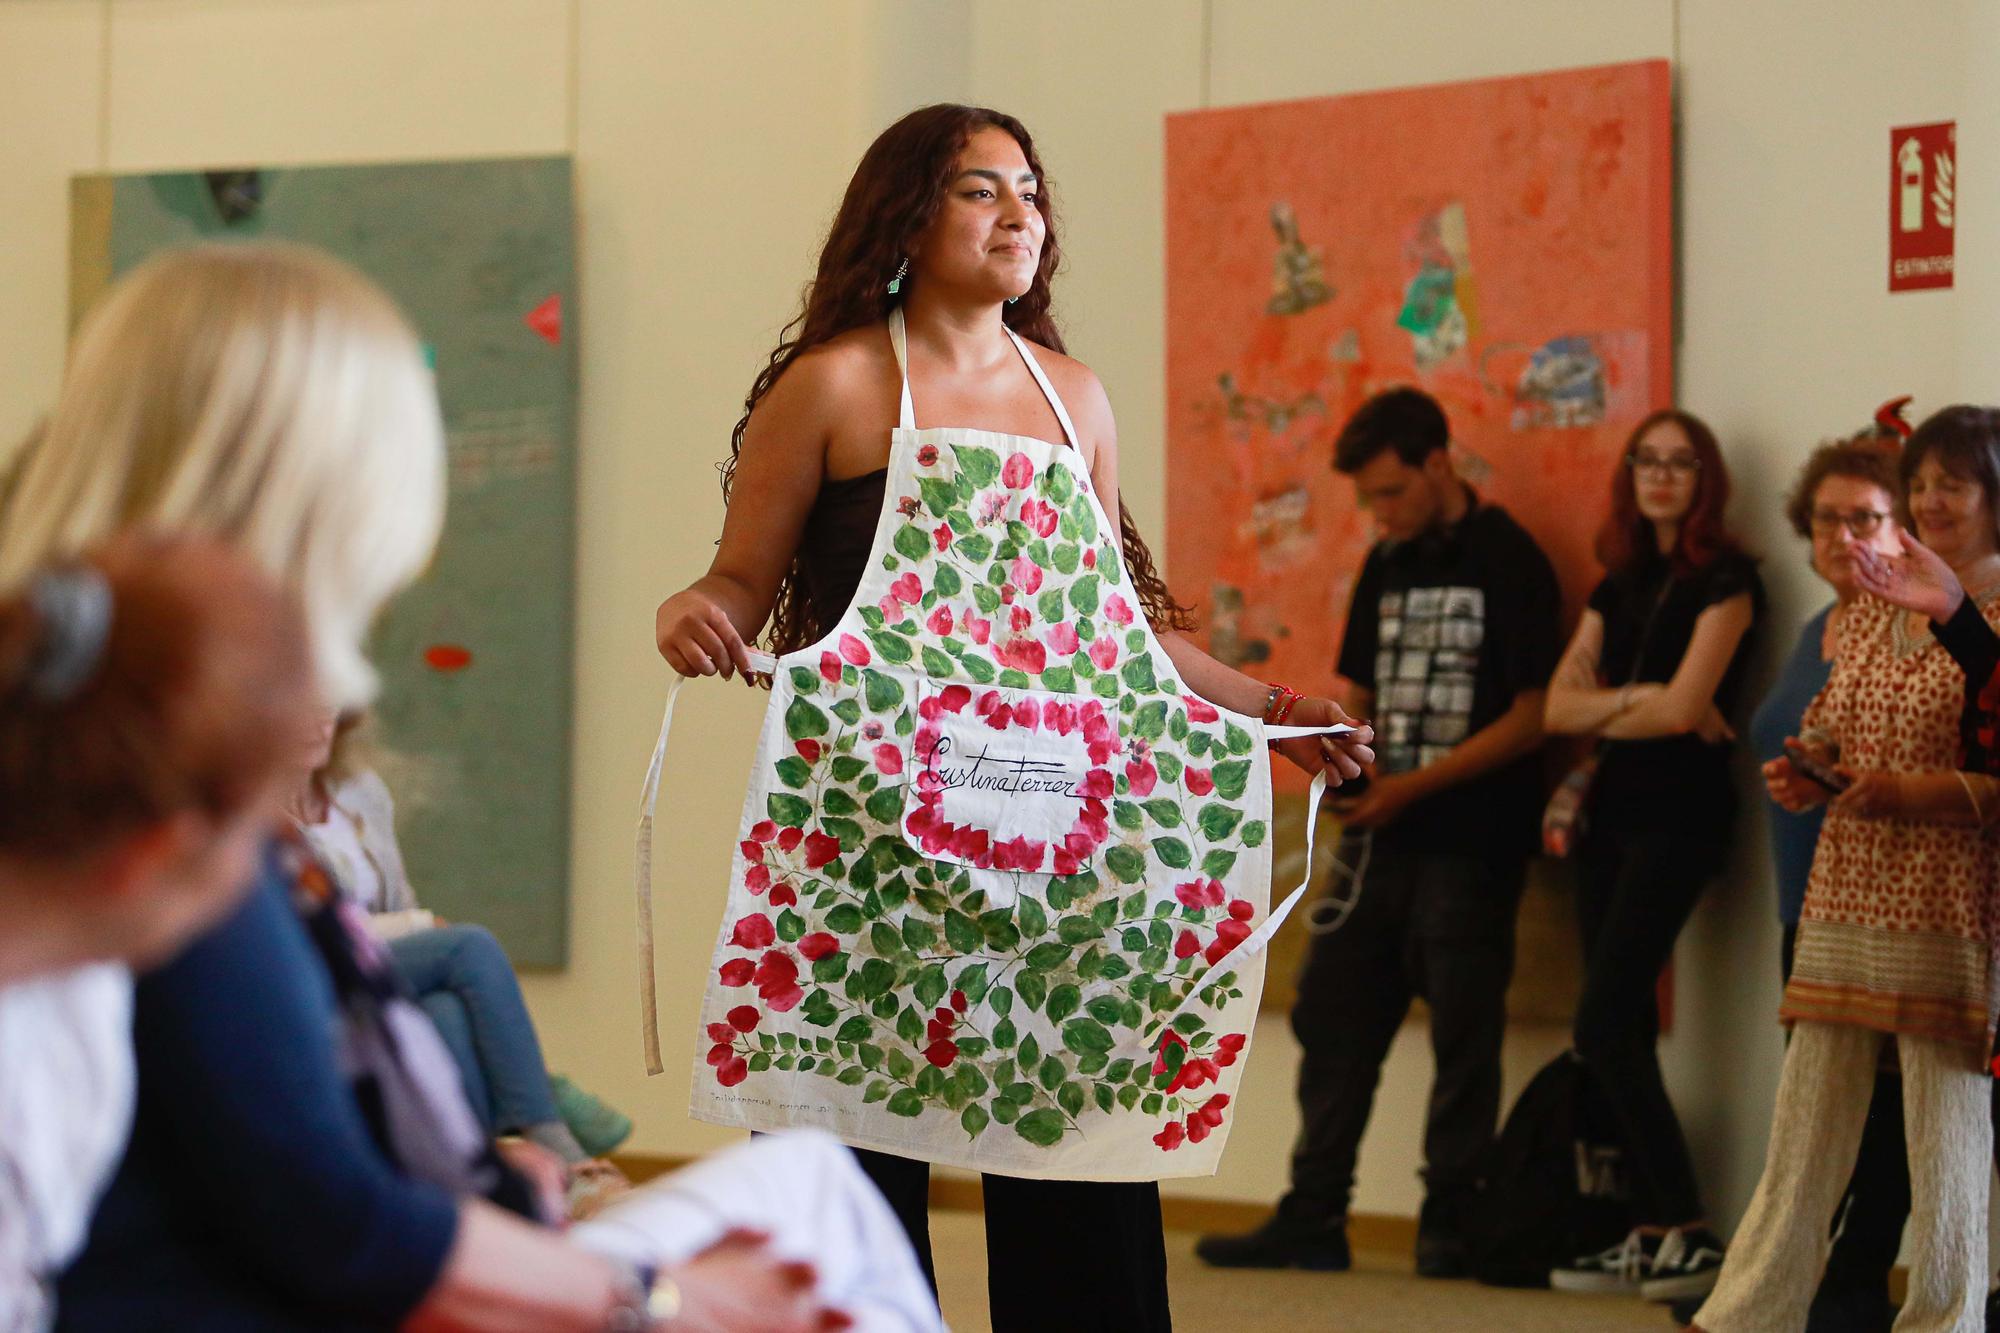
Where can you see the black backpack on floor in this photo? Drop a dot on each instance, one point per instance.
(1556, 1184)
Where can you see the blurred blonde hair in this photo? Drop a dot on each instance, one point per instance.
(263, 394)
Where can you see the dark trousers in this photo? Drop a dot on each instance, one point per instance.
(1062, 1256)
(1878, 1197)
(1634, 893)
(1439, 926)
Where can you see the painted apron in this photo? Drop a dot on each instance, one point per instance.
(998, 884)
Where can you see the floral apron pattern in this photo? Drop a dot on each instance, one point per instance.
(998, 878)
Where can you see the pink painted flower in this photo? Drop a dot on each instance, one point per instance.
(1190, 894)
(907, 506)
(743, 1018)
(940, 622)
(1103, 653)
(958, 1001)
(871, 730)
(752, 850)
(1200, 710)
(1171, 1137)
(1090, 558)
(991, 506)
(1098, 783)
(1229, 932)
(1199, 781)
(942, 1052)
(941, 534)
(1027, 714)
(888, 760)
(1241, 909)
(953, 698)
(1018, 854)
(1025, 574)
(736, 972)
(1167, 1038)
(978, 629)
(1062, 640)
(753, 932)
(1019, 618)
(891, 609)
(808, 750)
(789, 839)
(733, 1071)
(1227, 1048)
(723, 1047)
(1117, 610)
(1186, 944)
(818, 945)
(1059, 717)
(720, 1032)
(1197, 1129)
(927, 456)
(777, 979)
(784, 895)
(829, 668)
(1023, 655)
(757, 878)
(821, 848)
(763, 830)
(1008, 592)
(1143, 776)
(907, 589)
(855, 651)
(1017, 472)
(1040, 517)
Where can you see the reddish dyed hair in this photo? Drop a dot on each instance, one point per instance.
(893, 196)
(1627, 535)
(199, 700)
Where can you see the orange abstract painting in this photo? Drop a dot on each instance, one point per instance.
(1505, 245)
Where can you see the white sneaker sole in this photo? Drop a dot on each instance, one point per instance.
(1680, 1288)
(1592, 1284)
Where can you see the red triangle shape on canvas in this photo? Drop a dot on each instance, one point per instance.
(546, 318)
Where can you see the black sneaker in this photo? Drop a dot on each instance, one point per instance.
(1282, 1242)
(1686, 1264)
(1441, 1249)
(1618, 1270)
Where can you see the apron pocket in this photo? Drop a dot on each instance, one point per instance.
(1009, 779)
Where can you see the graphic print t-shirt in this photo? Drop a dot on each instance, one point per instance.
(1446, 629)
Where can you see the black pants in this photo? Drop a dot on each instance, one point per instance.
(1439, 926)
(1062, 1256)
(1634, 893)
(1878, 1196)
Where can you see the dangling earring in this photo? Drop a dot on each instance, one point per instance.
(896, 283)
(1012, 299)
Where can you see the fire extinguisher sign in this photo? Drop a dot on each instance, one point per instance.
(1923, 195)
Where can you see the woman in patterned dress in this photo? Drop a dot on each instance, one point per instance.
(1895, 939)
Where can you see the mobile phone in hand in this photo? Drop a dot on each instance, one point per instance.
(1826, 775)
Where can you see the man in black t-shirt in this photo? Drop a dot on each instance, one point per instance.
(1451, 638)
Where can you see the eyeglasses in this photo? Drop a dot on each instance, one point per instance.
(1673, 465)
(1861, 522)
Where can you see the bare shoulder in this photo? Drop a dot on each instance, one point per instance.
(838, 372)
(1082, 392)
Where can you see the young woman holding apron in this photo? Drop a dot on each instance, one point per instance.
(1001, 871)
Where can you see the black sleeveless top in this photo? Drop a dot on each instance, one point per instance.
(833, 548)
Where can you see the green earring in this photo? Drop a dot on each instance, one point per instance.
(896, 283)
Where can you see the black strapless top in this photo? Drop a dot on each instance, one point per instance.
(839, 531)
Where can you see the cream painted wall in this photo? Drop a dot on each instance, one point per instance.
(711, 145)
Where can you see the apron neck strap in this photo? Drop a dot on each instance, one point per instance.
(906, 412)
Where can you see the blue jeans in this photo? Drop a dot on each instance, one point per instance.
(464, 981)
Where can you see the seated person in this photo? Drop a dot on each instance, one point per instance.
(461, 975)
(145, 694)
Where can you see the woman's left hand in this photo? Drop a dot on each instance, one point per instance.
(1343, 756)
(1873, 795)
(545, 1173)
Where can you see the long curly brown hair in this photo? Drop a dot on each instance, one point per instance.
(894, 195)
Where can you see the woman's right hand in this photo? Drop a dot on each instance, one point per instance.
(697, 637)
(738, 1285)
(1917, 580)
(1791, 789)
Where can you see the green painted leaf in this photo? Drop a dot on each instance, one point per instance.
(1004, 1111)
(1029, 916)
(1198, 743)
(1064, 1000)
(1129, 815)
(1086, 1036)
(906, 1102)
(946, 579)
(846, 830)
(1231, 778)
(790, 811)
(886, 805)
(1033, 988)
(846, 768)
(1078, 930)
(940, 497)
(1047, 957)
(910, 1025)
(1150, 721)
(856, 1028)
(1254, 833)
(834, 801)
(973, 1119)
(1126, 864)
(936, 663)
(1000, 1000)
(900, 1065)
(1165, 813)
(1217, 820)
(1072, 1098)
(1057, 483)
(1218, 863)
(918, 933)
(1083, 595)
(930, 986)
(978, 465)
(794, 771)
(1004, 1033)
(1016, 680)
(912, 542)
(831, 968)
(804, 681)
(979, 669)
(1138, 674)
(1060, 679)
(962, 932)
(975, 549)
(1173, 852)
(882, 690)
(1065, 558)
(1030, 1055)
(848, 711)
(791, 926)
(1002, 935)
(1105, 687)
(1114, 968)
(803, 719)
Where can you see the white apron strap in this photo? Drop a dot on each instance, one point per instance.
(899, 340)
(1048, 389)
(642, 866)
(1258, 939)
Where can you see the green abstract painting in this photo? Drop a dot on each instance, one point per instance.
(476, 659)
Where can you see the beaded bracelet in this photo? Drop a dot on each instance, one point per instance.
(1279, 703)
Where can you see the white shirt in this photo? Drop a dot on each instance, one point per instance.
(67, 1082)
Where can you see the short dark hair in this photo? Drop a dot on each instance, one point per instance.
(1966, 440)
(1869, 457)
(1405, 419)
